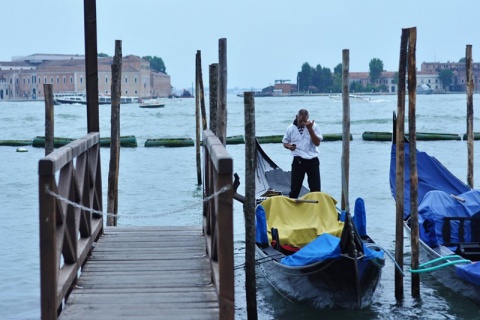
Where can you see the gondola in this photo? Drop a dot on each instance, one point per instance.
(306, 250)
(448, 220)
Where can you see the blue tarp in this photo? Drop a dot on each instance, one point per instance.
(435, 186)
(432, 175)
(469, 272)
(324, 247)
(436, 205)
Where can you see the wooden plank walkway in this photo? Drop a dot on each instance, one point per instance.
(145, 273)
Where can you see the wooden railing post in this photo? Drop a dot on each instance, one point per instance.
(61, 223)
(218, 221)
(48, 250)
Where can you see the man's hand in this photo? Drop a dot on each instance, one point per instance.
(309, 124)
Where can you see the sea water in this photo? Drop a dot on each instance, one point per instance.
(158, 186)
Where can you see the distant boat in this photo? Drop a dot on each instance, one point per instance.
(424, 89)
(353, 97)
(81, 98)
(153, 103)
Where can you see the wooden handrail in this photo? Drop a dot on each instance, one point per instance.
(67, 232)
(218, 220)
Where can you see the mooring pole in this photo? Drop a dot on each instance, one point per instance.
(412, 99)
(470, 133)
(346, 130)
(198, 94)
(213, 90)
(112, 205)
(249, 206)
(49, 118)
(400, 164)
(91, 64)
(222, 91)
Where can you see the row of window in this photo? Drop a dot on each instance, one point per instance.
(34, 80)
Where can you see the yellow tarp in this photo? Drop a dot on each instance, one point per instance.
(299, 223)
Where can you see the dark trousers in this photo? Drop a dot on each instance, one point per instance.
(300, 167)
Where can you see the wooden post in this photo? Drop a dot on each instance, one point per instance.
(48, 249)
(470, 134)
(49, 119)
(346, 130)
(400, 164)
(112, 206)
(197, 116)
(222, 91)
(213, 86)
(249, 206)
(412, 91)
(91, 64)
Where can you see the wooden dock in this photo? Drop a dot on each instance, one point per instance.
(147, 273)
(88, 270)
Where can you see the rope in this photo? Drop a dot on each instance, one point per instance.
(422, 268)
(91, 210)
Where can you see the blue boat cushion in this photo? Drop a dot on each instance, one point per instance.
(261, 227)
(326, 246)
(360, 217)
(469, 272)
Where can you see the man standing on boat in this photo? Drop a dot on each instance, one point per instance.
(302, 138)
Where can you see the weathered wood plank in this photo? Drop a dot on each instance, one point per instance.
(151, 273)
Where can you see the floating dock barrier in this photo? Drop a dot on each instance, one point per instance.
(125, 141)
(169, 142)
(476, 136)
(15, 143)
(421, 136)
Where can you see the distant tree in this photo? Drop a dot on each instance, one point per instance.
(156, 63)
(376, 69)
(102, 55)
(337, 79)
(322, 79)
(445, 76)
(305, 77)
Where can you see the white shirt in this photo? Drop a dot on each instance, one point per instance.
(305, 149)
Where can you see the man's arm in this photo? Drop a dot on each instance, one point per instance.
(315, 139)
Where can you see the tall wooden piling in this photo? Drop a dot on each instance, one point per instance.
(400, 164)
(346, 130)
(213, 90)
(198, 94)
(49, 118)
(112, 204)
(412, 91)
(470, 135)
(222, 91)
(91, 64)
(249, 206)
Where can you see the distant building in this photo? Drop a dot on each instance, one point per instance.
(23, 77)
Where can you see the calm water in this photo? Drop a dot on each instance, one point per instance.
(158, 186)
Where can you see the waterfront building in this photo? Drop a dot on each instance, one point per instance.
(24, 77)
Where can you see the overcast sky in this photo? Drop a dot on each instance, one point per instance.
(266, 39)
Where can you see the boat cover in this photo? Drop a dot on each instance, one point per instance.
(469, 272)
(324, 247)
(299, 222)
(436, 205)
(432, 175)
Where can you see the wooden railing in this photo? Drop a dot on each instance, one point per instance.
(67, 232)
(218, 220)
